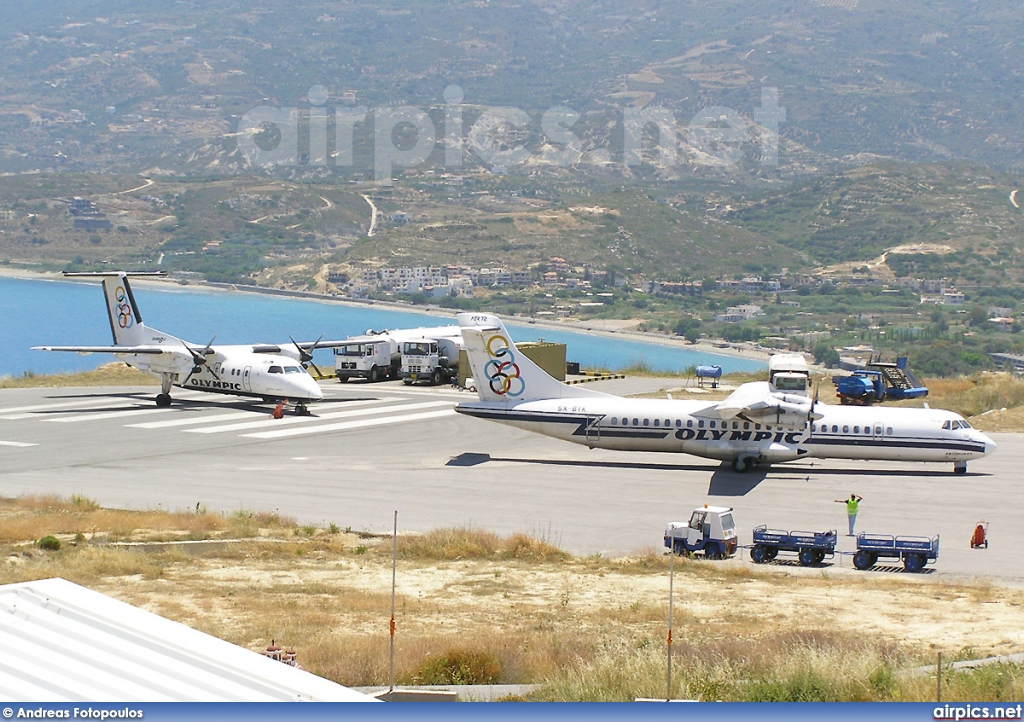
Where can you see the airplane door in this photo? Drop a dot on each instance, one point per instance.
(245, 378)
(594, 430)
(878, 431)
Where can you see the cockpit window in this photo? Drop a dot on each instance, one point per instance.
(292, 370)
(276, 370)
(956, 424)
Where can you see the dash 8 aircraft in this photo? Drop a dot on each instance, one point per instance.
(270, 372)
(755, 424)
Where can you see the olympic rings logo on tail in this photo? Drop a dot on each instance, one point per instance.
(123, 309)
(502, 371)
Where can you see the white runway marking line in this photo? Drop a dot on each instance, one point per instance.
(28, 412)
(323, 417)
(193, 420)
(352, 424)
(137, 411)
(18, 444)
(18, 413)
(251, 415)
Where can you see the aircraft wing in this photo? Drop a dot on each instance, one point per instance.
(754, 396)
(106, 349)
(757, 402)
(287, 348)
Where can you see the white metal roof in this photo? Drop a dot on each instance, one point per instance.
(62, 642)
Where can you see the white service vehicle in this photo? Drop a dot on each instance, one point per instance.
(789, 373)
(377, 355)
(431, 360)
(711, 530)
(371, 357)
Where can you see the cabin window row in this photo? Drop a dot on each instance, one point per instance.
(824, 429)
(689, 424)
(647, 422)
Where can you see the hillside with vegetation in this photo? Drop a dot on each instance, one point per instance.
(105, 86)
(950, 219)
(634, 141)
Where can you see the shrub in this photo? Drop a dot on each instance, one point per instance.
(460, 666)
(49, 542)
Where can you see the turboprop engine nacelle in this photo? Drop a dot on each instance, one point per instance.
(786, 412)
(777, 453)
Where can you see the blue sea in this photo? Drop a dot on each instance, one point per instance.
(67, 313)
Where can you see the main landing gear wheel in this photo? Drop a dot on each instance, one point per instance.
(163, 399)
(742, 464)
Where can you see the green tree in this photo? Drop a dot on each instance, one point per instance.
(687, 327)
(825, 354)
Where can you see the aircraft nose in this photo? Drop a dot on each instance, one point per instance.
(990, 445)
(315, 392)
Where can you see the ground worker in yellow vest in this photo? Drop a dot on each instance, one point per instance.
(851, 509)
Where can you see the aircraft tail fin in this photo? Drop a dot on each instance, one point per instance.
(501, 371)
(123, 312)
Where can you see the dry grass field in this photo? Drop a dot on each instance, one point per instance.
(114, 373)
(476, 608)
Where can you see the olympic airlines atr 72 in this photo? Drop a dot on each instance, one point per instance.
(756, 424)
(273, 373)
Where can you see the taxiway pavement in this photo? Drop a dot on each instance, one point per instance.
(370, 450)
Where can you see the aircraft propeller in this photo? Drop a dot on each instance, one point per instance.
(810, 410)
(199, 360)
(306, 356)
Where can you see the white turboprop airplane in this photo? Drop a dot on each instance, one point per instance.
(755, 424)
(273, 373)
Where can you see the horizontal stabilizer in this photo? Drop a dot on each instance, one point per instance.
(104, 349)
